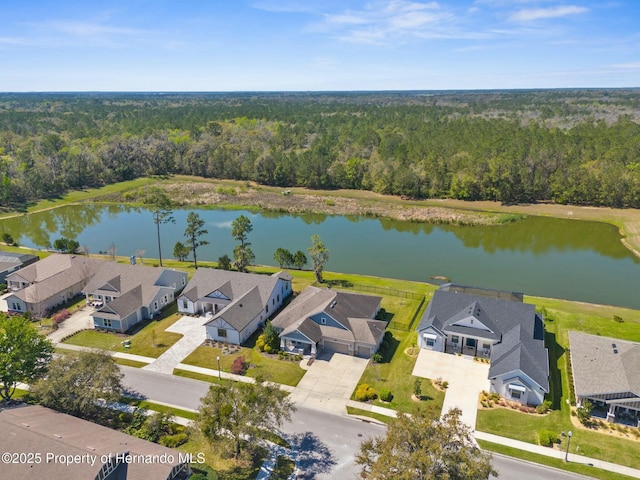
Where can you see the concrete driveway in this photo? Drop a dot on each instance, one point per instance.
(329, 382)
(466, 380)
(80, 320)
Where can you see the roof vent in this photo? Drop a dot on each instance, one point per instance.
(333, 304)
(613, 345)
(615, 350)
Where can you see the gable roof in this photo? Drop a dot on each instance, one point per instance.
(604, 365)
(241, 311)
(11, 260)
(352, 310)
(122, 278)
(54, 274)
(515, 325)
(125, 304)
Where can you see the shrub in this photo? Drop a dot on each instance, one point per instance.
(547, 438)
(584, 412)
(7, 238)
(59, 317)
(385, 395)
(618, 319)
(260, 343)
(417, 388)
(173, 441)
(364, 392)
(239, 366)
(544, 407)
(377, 358)
(445, 384)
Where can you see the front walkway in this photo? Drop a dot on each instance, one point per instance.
(467, 379)
(78, 321)
(329, 382)
(193, 333)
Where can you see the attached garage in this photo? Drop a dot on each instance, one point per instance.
(364, 351)
(337, 347)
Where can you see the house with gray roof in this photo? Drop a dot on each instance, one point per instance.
(494, 325)
(10, 262)
(238, 303)
(50, 282)
(127, 294)
(329, 320)
(606, 372)
(57, 446)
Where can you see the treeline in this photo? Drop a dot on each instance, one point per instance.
(579, 147)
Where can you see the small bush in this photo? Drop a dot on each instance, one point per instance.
(7, 238)
(173, 441)
(260, 343)
(239, 366)
(445, 384)
(377, 357)
(364, 392)
(547, 438)
(618, 319)
(61, 316)
(544, 407)
(385, 395)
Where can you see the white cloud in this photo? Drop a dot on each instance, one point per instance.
(531, 14)
(628, 66)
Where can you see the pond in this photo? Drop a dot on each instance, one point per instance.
(548, 257)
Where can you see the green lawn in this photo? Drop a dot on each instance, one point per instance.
(395, 375)
(195, 375)
(156, 407)
(130, 363)
(150, 341)
(366, 413)
(562, 317)
(553, 462)
(285, 372)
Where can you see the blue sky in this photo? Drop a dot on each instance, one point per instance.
(238, 45)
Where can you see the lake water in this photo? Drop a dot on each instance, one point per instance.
(538, 256)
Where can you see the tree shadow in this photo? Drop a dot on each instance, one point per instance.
(338, 283)
(314, 457)
(385, 316)
(555, 377)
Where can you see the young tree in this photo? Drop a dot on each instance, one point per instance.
(583, 412)
(66, 245)
(234, 411)
(299, 259)
(271, 338)
(243, 254)
(419, 446)
(76, 384)
(319, 256)
(283, 257)
(24, 354)
(160, 207)
(181, 251)
(224, 262)
(193, 232)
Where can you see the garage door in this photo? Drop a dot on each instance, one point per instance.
(337, 347)
(364, 351)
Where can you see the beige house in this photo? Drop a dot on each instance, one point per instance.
(50, 282)
(325, 319)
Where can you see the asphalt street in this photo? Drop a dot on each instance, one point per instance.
(327, 443)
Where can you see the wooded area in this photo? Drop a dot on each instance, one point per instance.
(566, 146)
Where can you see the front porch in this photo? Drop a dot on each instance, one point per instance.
(621, 411)
(298, 347)
(471, 346)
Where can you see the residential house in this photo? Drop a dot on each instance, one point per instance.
(333, 321)
(127, 294)
(50, 282)
(238, 303)
(493, 325)
(606, 372)
(56, 446)
(10, 262)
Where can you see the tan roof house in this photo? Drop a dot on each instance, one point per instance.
(127, 294)
(606, 371)
(55, 446)
(49, 282)
(238, 303)
(325, 319)
(11, 262)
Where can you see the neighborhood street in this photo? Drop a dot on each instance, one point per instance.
(326, 442)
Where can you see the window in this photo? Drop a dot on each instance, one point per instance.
(323, 321)
(273, 301)
(15, 306)
(267, 308)
(486, 346)
(515, 394)
(278, 297)
(222, 332)
(430, 342)
(155, 305)
(106, 322)
(182, 281)
(185, 304)
(455, 339)
(165, 299)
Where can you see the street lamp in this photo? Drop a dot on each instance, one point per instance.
(566, 455)
(219, 374)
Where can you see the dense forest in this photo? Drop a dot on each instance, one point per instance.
(566, 146)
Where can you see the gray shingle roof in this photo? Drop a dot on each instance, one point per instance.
(125, 304)
(10, 259)
(242, 310)
(353, 310)
(513, 323)
(600, 368)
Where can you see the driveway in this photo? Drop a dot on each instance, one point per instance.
(329, 382)
(80, 320)
(466, 380)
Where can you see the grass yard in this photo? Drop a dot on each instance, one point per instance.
(151, 340)
(195, 375)
(156, 407)
(563, 316)
(130, 363)
(285, 372)
(395, 375)
(366, 413)
(578, 468)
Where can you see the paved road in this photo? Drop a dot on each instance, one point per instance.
(327, 442)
